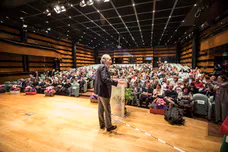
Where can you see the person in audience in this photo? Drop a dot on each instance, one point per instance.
(67, 87)
(198, 84)
(32, 78)
(82, 83)
(136, 92)
(171, 96)
(185, 101)
(51, 73)
(221, 99)
(54, 84)
(35, 83)
(146, 95)
(41, 86)
(157, 92)
(36, 74)
(26, 83)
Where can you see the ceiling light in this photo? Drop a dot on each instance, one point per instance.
(7, 17)
(49, 14)
(58, 9)
(69, 16)
(67, 30)
(68, 24)
(153, 11)
(90, 2)
(71, 5)
(49, 29)
(87, 27)
(47, 22)
(183, 21)
(106, 0)
(98, 11)
(1, 21)
(133, 4)
(82, 3)
(169, 16)
(21, 18)
(25, 26)
(195, 5)
(119, 16)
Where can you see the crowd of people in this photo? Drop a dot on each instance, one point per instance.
(175, 87)
(60, 81)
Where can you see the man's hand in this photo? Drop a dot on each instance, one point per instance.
(121, 82)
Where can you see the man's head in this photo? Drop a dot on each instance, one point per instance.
(106, 59)
(170, 87)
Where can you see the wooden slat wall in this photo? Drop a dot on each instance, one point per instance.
(84, 56)
(139, 54)
(62, 46)
(41, 51)
(10, 63)
(205, 60)
(186, 55)
(37, 63)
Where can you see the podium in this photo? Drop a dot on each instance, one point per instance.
(117, 100)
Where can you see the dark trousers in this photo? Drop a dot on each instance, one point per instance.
(104, 112)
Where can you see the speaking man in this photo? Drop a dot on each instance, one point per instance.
(103, 88)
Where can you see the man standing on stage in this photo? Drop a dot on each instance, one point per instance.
(103, 86)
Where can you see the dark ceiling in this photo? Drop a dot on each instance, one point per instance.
(100, 25)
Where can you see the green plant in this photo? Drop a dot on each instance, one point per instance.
(128, 94)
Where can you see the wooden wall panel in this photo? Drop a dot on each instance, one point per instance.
(10, 63)
(10, 69)
(138, 54)
(84, 56)
(12, 77)
(214, 41)
(26, 50)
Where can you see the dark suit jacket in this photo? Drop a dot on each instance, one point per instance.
(103, 82)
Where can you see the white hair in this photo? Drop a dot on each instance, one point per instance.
(104, 58)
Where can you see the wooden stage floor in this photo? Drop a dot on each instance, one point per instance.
(59, 124)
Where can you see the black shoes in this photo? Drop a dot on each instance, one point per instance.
(102, 127)
(112, 128)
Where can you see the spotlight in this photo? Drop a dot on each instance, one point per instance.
(25, 26)
(106, 0)
(82, 3)
(90, 2)
(58, 9)
(49, 14)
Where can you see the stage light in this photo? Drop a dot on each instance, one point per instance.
(195, 5)
(90, 2)
(69, 16)
(25, 26)
(49, 29)
(106, 0)
(82, 3)
(21, 18)
(49, 14)
(98, 11)
(133, 4)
